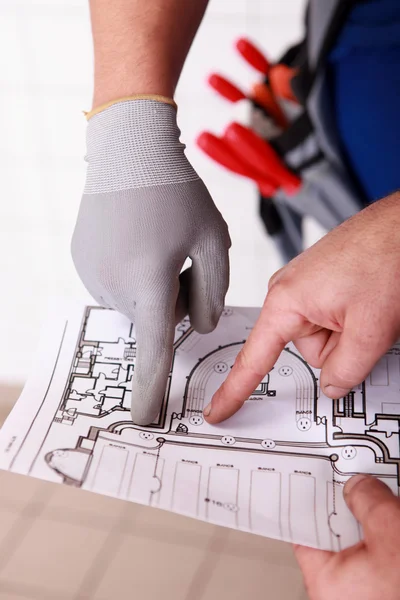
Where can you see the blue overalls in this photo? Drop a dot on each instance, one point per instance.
(364, 72)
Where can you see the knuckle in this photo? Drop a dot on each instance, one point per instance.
(280, 294)
(275, 278)
(244, 362)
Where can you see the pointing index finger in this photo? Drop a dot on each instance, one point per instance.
(256, 359)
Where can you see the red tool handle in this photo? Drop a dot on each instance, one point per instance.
(263, 95)
(253, 55)
(263, 157)
(280, 78)
(225, 88)
(217, 149)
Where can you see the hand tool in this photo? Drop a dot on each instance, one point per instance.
(249, 112)
(262, 157)
(253, 116)
(226, 88)
(275, 218)
(262, 93)
(253, 55)
(280, 76)
(263, 96)
(220, 151)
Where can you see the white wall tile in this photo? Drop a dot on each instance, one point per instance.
(57, 48)
(11, 55)
(17, 126)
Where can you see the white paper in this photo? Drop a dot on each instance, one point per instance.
(277, 468)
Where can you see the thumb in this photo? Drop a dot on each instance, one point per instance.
(354, 357)
(376, 508)
(311, 561)
(209, 282)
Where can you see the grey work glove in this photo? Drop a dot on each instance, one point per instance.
(144, 211)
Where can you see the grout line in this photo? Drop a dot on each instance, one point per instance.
(103, 523)
(102, 561)
(72, 516)
(207, 565)
(23, 524)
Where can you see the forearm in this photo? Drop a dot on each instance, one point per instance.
(140, 45)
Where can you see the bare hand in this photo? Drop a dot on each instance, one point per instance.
(369, 570)
(338, 302)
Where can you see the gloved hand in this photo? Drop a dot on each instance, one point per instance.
(144, 211)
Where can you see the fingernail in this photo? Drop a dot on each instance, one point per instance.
(332, 391)
(207, 410)
(352, 482)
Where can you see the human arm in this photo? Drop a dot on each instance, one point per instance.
(144, 209)
(140, 46)
(338, 302)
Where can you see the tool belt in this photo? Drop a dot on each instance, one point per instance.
(289, 147)
(309, 145)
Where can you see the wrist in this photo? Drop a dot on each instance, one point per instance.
(109, 95)
(110, 84)
(154, 97)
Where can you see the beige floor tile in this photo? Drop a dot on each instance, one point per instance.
(161, 524)
(17, 491)
(248, 545)
(7, 521)
(9, 394)
(235, 577)
(149, 569)
(68, 503)
(53, 555)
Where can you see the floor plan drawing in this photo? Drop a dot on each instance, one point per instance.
(277, 468)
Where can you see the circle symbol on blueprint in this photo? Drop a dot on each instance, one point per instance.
(221, 367)
(196, 420)
(146, 435)
(304, 424)
(285, 371)
(228, 440)
(227, 312)
(268, 444)
(231, 507)
(349, 452)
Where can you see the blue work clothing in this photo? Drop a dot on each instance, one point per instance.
(364, 74)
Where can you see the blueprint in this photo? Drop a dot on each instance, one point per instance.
(277, 468)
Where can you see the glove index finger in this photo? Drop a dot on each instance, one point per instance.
(155, 330)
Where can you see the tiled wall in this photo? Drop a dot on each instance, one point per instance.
(45, 83)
